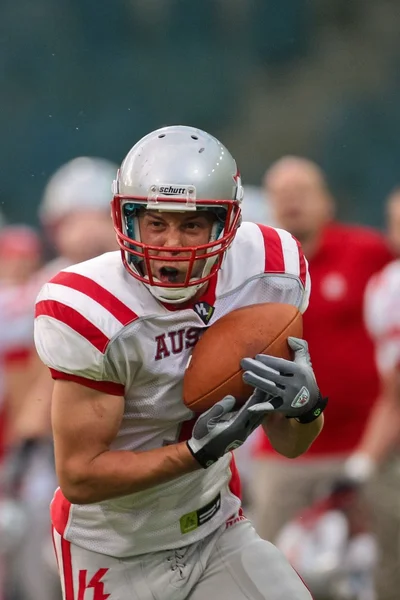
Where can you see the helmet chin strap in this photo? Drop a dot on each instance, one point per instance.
(174, 295)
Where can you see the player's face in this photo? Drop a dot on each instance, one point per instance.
(175, 230)
(83, 235)
(15, 269)
(300, 206)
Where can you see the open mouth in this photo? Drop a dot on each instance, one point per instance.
(171, 275)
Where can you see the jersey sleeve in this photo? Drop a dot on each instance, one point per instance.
(283, 255)
(72, 334)
(382, 317)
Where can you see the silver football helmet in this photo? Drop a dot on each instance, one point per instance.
(83, 183)
(176, 168)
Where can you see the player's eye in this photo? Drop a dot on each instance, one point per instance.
(192, 225)
(156, 224)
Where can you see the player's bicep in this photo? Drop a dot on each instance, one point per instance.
(85, 422)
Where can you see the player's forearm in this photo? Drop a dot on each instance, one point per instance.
(382, 432)
(290, 438)
(120, 473)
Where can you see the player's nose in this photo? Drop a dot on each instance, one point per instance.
(173, 240)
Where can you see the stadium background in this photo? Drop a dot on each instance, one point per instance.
(314, 77)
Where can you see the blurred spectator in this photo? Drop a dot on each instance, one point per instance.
(75, 209)
(393, 220)
(20, 257)
(376, 459)
(75, 212)
(342, 259)
(255, 207)
(331, 545)
(20, 254)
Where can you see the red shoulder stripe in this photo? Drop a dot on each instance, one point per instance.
(108, 387)
(72, 318)
(96, 292)
(303, 266)
(274, 261)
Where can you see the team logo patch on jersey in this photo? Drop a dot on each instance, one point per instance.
(204, 310)
(196, 518)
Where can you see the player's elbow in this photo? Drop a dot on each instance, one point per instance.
(77, 494)
(292, 452)
(306, 435)
(290, 438)
(76, 486)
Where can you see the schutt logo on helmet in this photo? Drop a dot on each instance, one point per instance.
(170, 190)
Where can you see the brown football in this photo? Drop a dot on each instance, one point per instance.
(214, 369)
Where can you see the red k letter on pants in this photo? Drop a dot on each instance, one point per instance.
(95, 583)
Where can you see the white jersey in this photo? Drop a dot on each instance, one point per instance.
(382, 315)
(97, 325)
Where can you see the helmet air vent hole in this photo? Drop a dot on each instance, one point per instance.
(194, 137)
(201, 150)
(162, 135)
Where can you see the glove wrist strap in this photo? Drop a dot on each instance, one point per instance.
(204, 458)
(315, 412)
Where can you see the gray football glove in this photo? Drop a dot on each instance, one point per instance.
(290, 385)
(219, 429)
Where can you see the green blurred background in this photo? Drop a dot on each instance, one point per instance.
(320, 78)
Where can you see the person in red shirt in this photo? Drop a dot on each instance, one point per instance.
(375, 462)
(342, 258)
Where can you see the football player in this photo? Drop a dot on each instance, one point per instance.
(149, 498)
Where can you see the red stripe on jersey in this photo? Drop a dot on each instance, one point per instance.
(235, 486)
(96, 292)
(210, 293)
(186, 430)
(72, 318)
(67, 568)
(60, 509)
(54, 546)
(107, 387)
(302, 260)
(274, 260)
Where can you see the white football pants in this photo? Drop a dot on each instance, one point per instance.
(233, 563)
